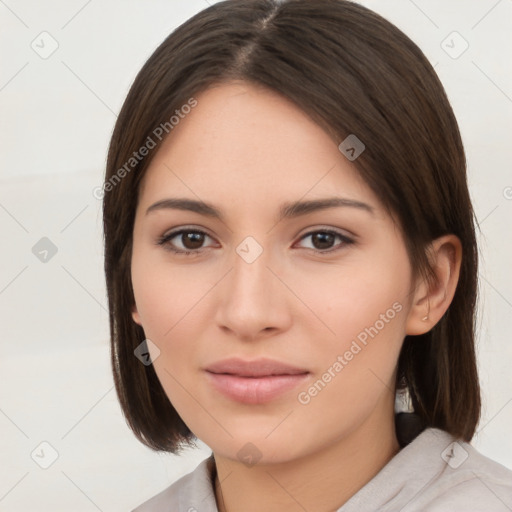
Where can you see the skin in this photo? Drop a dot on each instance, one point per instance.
(247, 150)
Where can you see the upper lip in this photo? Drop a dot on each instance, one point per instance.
(255, 368)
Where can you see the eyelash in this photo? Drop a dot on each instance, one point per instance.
(165, 239)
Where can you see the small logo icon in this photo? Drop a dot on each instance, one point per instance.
(147, 352)
(249, 454)
(44, 250)
(44, 455)
(454, 45)
(454, 455)
(352, 147)
(44, 45)
(249, 249)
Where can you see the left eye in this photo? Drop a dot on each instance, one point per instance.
(322, 238)
(192, 240)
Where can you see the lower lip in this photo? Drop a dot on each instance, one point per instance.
(254, 390)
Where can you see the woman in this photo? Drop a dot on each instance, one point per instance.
(289, 251)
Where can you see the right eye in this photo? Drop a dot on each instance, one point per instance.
(191, 240)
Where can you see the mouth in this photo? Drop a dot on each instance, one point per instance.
(254, 382)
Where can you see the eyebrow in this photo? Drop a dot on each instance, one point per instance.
(287, 211)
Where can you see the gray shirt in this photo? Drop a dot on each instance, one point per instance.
(433, 473)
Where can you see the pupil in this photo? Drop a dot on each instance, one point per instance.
(196, 238)
(321, 237)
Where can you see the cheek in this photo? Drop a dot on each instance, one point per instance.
(166, 294)
(363, 311)
(354, 367)
(171, 308)
(348, 301)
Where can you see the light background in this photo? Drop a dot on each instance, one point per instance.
(56, 118)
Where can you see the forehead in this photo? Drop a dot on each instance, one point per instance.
(244, 145)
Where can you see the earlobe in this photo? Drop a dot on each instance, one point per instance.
(432, 298)
(135, 315)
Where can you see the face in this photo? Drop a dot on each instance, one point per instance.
(314, 300)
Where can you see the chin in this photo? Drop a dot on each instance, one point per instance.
(260, 442)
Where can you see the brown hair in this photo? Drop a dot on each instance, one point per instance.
(353, 72)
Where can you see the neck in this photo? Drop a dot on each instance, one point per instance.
(322, 481)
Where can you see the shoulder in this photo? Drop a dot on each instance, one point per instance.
(193, 492)
(469, 481)
(436, 473)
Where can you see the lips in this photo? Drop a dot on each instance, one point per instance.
(256, 368)
(254, 382)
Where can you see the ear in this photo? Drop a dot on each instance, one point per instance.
(432, 299)
(135, 315)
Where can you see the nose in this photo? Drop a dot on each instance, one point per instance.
(252, 301)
